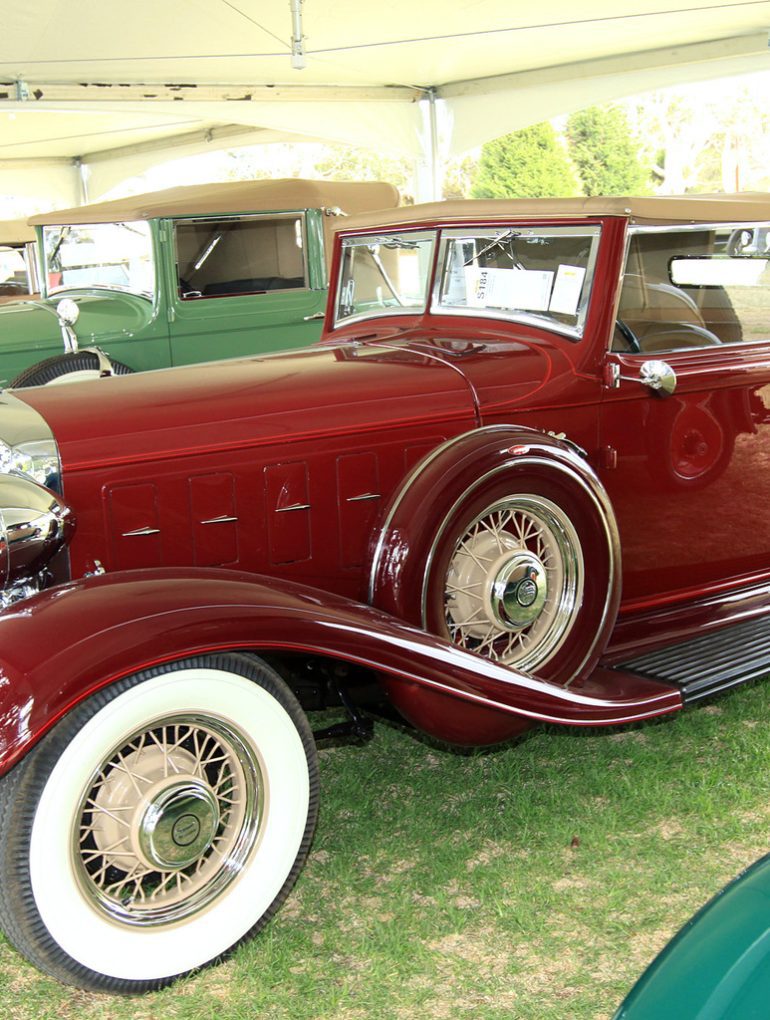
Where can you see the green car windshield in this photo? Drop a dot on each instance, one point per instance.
(112, 256)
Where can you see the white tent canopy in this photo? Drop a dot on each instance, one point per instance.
(86, 85)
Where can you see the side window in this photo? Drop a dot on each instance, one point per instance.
(219, 257)
(692, 288)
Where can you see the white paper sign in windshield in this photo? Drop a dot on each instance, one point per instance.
(526, 289)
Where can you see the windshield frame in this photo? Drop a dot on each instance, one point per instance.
(60, 231)
(442, 235)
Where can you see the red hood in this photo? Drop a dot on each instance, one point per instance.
(314, 392)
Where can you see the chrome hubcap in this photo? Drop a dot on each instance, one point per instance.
(178, 824)
(169, 821)
(519, 591)
(515, 581)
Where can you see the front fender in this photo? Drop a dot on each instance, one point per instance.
(64, 644)
(416, 527)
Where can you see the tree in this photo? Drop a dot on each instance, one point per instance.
(530, 163)
(605, 154)
(345, 163)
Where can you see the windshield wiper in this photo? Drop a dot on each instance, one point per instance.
(59, 242)
(391, 241)
(498, 242)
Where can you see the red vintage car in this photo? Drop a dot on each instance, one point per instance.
(523, 478)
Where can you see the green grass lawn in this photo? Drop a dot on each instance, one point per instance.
(533, 881)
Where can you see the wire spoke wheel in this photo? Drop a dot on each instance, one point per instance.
(158, 824)
(514, 582)
(169, 821)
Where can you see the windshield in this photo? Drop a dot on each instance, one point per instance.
(540, 275)
(116, 256)
(384, 274)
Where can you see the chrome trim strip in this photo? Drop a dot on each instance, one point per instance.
(421, 352)
(363, 497)
(141, 532)
(223, 519)
(294, 506)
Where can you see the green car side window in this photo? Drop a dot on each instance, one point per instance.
(219, 257)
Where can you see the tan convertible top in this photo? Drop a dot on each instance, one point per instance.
(234, 197)
(747, 207)
(15, 232)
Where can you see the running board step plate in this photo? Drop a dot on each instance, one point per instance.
(711, 663)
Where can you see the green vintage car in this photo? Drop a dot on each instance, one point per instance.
(189, 274)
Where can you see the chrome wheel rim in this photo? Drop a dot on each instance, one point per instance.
(514, 582)
(168, 821)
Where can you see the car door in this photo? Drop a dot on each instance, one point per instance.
(687, 470)
(242, 285)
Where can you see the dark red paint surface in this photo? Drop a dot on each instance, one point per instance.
(103, 628)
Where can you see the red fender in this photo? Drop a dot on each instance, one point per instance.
(65, 643)
(467, 471)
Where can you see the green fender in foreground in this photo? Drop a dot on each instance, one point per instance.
(718, 966)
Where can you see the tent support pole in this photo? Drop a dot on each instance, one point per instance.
(428, 170)
(82, 171)
(435, 169)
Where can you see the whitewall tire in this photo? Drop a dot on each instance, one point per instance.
(158, 824)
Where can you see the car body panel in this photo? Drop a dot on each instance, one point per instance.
(718, 966)
(120, 623)
(704, 451)
(132, 327)
(173, 464)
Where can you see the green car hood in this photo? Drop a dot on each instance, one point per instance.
(102, 316)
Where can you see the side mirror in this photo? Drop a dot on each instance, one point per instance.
(659, 376)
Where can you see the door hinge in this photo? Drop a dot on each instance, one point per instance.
(608, 458)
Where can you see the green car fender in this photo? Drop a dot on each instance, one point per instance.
(718, 966)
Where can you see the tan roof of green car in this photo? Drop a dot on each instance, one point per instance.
(233, 197)
(15, 232)
(746, 207)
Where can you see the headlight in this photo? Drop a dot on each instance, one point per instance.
(38, 460)
(34, 525)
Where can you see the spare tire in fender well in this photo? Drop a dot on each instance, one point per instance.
(526, 481)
